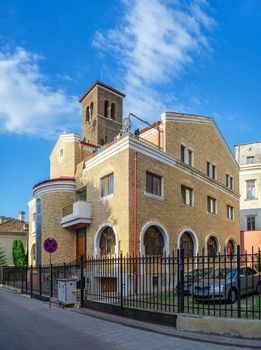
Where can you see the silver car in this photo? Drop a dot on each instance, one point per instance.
(222, 284)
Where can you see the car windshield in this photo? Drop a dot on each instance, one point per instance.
(197, 273)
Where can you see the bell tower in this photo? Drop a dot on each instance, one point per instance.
(101, 113)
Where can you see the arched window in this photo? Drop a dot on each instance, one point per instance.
(91, 110)
(230, 248)
(33, 254)
(212, 247)
(106, 109)
(113, 111)
(87, 114)
(107, 242)
(153, 241)
(186, 243)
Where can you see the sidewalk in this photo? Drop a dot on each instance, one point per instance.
(172, 332)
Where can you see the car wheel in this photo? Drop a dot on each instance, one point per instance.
(232, 296)
(258, 288)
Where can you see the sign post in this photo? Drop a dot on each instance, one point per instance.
(50, 245)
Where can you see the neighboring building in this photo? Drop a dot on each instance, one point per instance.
(248, 156)
(10, 230)
(116, 193)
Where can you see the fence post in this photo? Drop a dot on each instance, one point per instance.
(51, 279)
(82, 280)
(40, 280)
(31, 281)
(180, 255)
(238, 283)
(121, 281)
(26, 278)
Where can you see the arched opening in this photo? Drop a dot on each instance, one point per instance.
(230, 247)
(87, 114)
(106, 109)
(107, 242)
(187, 244)
(91, 110)
(33, 254)
(153, 241)
(113, 111)
(212, 246)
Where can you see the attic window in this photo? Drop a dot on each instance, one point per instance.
(61, 153)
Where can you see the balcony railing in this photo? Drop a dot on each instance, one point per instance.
(80, 212)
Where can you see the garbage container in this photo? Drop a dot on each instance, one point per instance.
(67, 291)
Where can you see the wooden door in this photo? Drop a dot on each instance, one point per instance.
(80, 243)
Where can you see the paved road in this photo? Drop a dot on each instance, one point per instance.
(27, 324)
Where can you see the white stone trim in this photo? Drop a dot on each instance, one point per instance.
(217, 240)
(98, 236)
(128, 141)
(194, 237)
(164, 234)
(54, 186)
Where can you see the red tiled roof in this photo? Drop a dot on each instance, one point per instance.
(61, 178)
(97, 82)
(150, 126)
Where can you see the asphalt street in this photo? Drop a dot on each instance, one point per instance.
(27, 324)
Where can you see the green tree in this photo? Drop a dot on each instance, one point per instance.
(19, 257)
(3, 261)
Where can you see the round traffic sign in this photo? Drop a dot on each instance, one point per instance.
(50, 245)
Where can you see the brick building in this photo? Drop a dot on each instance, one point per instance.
(175, 185)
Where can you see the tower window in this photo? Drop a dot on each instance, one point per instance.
(91, 110)
(106, 109)
(113, 111)
(87, 114)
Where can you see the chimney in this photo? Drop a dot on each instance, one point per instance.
(21, 215)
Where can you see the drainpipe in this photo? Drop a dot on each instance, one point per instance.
(135, 222)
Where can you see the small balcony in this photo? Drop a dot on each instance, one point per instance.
(80, 212)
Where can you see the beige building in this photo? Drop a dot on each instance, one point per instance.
(175, 185)
(12, 229)
(248, 156)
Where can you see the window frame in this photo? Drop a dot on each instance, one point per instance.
(210, 207)
(230, 212)
(184, 196)
(251, 223)
(110, 186)
(247, 191)
(156, 176)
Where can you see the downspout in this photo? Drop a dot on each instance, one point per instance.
(135, 222)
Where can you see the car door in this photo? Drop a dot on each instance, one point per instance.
(250, 280)
(243, 277)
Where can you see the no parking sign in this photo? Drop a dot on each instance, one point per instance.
(50, 245)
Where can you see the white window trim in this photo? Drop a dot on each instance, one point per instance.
(229, 212)
(216, 212)
(229, 185)
(109, 194)
(193, 197)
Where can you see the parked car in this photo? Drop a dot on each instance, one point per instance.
(193, 277)
(222, 284)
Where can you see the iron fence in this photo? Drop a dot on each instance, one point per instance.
(222, 285)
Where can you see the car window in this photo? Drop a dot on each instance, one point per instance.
(250, 271)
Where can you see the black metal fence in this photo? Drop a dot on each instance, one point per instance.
(224, 285)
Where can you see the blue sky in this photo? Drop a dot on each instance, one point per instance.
(195, 56)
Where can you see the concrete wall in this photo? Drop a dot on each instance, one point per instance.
(249, 239)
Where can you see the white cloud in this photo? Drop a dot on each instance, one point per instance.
(27, 104)
(154, 43)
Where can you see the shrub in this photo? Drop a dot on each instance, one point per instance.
(19, 257)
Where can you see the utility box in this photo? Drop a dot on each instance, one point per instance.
(67, 291)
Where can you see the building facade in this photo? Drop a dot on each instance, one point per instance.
(248, 156)
(12, 229)
(173, 185)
